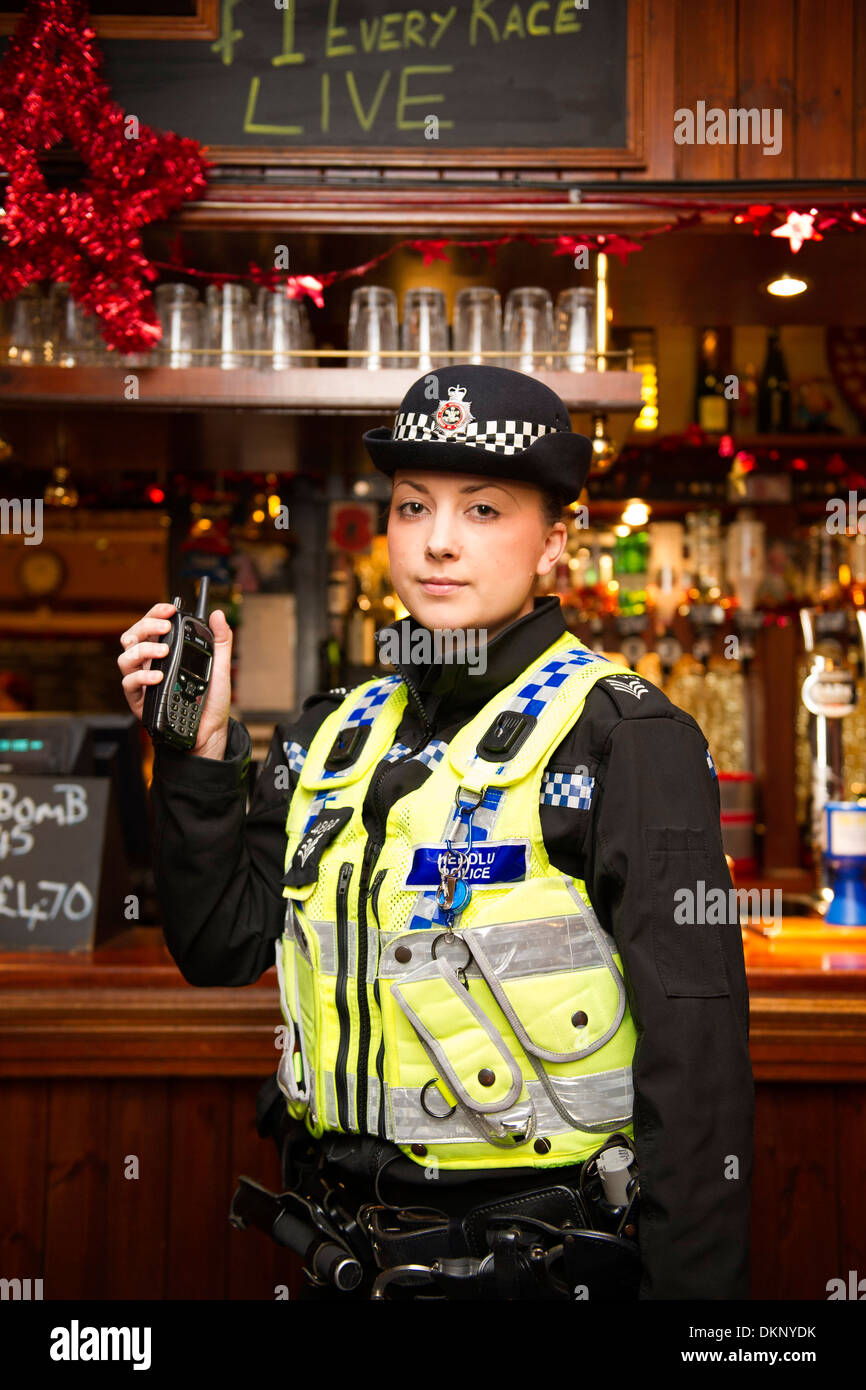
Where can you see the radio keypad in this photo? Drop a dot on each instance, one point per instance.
(186, 697)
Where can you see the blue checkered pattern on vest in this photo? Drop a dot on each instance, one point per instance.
(538, 692)
(571, 789)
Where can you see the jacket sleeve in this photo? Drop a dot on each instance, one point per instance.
(218, 855)
(655, 847)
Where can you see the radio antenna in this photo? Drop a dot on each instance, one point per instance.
(201, 607)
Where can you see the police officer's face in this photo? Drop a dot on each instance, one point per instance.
(465, 551)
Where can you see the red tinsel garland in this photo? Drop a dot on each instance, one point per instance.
(50, 88)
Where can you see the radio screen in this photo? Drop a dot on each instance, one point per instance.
(195, 661)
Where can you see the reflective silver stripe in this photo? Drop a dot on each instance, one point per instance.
(442, 1061)
(330, 1097)
(332, 1119)
(520, 1032)
(539, 947)
(326, 934)
(372, 950)
(352, 951)
(604, 1101)
(372, 1103)
(514, 949)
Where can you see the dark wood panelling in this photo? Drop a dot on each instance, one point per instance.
(765, 55)
(78, 1221)
(795, 1223)
(198, 1164)
(859, 91)
(660, 91)
(825, 90)
(706, 63)
(137, 1206)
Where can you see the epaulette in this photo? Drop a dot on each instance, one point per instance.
(634, 696)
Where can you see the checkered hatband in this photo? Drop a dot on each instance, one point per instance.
(496, 436)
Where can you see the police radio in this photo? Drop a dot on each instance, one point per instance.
(173, 706)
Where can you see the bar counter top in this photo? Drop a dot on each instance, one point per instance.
(125, 1010)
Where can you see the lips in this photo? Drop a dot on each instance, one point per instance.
(439, 584)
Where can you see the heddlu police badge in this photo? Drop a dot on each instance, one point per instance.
(452, 416)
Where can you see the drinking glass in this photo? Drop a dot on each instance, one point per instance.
(279, 327)
(228, 325)
(478, 323)
(70, 337)
(373, 326)
(529, 329)
(424, 330)
(180, 312)
(575, 330)
(23, 322)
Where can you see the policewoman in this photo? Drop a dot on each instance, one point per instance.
(520, 1073)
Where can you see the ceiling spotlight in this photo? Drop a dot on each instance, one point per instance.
(786, 285)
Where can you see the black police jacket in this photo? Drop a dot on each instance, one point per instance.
(651, 830)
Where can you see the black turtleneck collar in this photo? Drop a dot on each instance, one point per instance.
(452, 692)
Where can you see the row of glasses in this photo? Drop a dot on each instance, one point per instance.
(231, 329)
(51, 328)
(533, 333)
(228, 328)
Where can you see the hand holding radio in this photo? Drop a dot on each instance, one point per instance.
(177, 675)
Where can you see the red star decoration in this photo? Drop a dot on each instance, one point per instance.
(50, 89)
(799, 227)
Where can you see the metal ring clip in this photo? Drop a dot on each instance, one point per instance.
(432, 1113)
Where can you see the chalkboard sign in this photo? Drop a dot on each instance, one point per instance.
(504, 82)
(63, 873)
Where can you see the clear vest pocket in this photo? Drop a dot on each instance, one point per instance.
(468, 1052)
(554, 977)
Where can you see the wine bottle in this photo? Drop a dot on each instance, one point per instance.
(711, 407)
(774, 394)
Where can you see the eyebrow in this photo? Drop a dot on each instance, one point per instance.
(470, 487)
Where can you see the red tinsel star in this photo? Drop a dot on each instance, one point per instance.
(50, 88)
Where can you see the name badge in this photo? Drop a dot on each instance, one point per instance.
(489, 865)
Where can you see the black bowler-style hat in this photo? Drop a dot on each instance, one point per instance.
(489, 421)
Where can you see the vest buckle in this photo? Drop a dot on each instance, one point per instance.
(347, 747)
(506, 735)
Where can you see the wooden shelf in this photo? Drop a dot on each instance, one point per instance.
(305, 391)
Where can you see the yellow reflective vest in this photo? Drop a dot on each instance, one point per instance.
(506, 1041)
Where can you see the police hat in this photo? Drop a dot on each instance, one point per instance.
(488, 421)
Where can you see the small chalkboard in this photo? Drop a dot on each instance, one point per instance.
(63, 872)
(505, 82)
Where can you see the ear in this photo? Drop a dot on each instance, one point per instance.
(554, 545)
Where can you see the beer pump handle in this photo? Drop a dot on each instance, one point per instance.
(808, 625)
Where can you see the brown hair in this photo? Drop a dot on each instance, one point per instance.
(552, 507)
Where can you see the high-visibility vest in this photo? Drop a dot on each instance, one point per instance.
(506, 1041)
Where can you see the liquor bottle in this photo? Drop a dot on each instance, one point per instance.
(712, 409)
(774, 394)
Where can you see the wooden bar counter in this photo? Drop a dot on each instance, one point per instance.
(129, 1107)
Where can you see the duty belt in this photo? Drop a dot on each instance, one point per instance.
(542, 1242)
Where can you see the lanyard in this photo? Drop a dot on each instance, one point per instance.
(454, 893)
